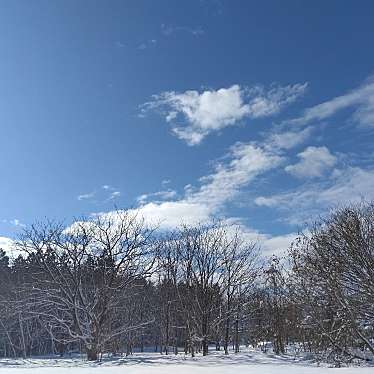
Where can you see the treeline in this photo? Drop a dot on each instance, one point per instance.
(113, 284)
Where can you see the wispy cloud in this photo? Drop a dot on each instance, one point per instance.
(86, 196)
(247, 161)
(345, 185)
(360, 99)
(151, 42)
(243, 163)
(168, 30)
(212, 110)
(287, 139)
(194, 207)
(159, 195)
(147, 44)
(120, 44)
(314, 161)
(16, 222)
(114, 195)
(348, 182)
(165, 182)
(101, 195)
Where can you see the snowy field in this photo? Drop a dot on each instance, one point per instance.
(248, 362)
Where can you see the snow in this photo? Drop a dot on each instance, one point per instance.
(247, 362)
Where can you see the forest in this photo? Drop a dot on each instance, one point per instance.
(114, 285)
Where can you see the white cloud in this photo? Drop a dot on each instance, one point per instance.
(278, 245)
(16, 222)
(314, 161)
(362, 98)
(114, 195)
(270, 245)
(345, 186)
(86, 196)
(270, 201)
(288, 139)
(247, 162)
(147, 44)
(243, 164)
(193, 114)
(168, 30)
(170, 214)
(120, 44)
(350, 185)
(102, 195)
(162, 195)
(6, 244)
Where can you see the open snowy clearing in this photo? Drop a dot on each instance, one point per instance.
(250, 361)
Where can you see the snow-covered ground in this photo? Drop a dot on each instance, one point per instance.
(247, 362)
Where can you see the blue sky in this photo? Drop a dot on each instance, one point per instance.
(257, 112)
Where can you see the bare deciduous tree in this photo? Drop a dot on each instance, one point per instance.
(81, 276)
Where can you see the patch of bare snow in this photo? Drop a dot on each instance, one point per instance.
(247, 362)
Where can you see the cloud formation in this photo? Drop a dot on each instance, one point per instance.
(288, 139)
(114, 195)
(159, 195)
(314, 161)
(6, 243)
(86, 196)
(168, 30)
(103, 194)
(16, 222)
(360, 99)
(193, 115)
(244, 163)
(346, 185)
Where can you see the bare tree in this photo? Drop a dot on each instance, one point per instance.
(81, 275)
(276, 302)
(240, 269)
(334, 272)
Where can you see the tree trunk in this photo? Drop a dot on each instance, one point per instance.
(227, 335)
(204, 331)
(22, 336)
(142, 342)
(205, 346)
(237, 343)
(192, 349)
(167, 327)
(92, 354)
(176, 341)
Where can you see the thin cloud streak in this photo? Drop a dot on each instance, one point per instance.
(361, 98)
